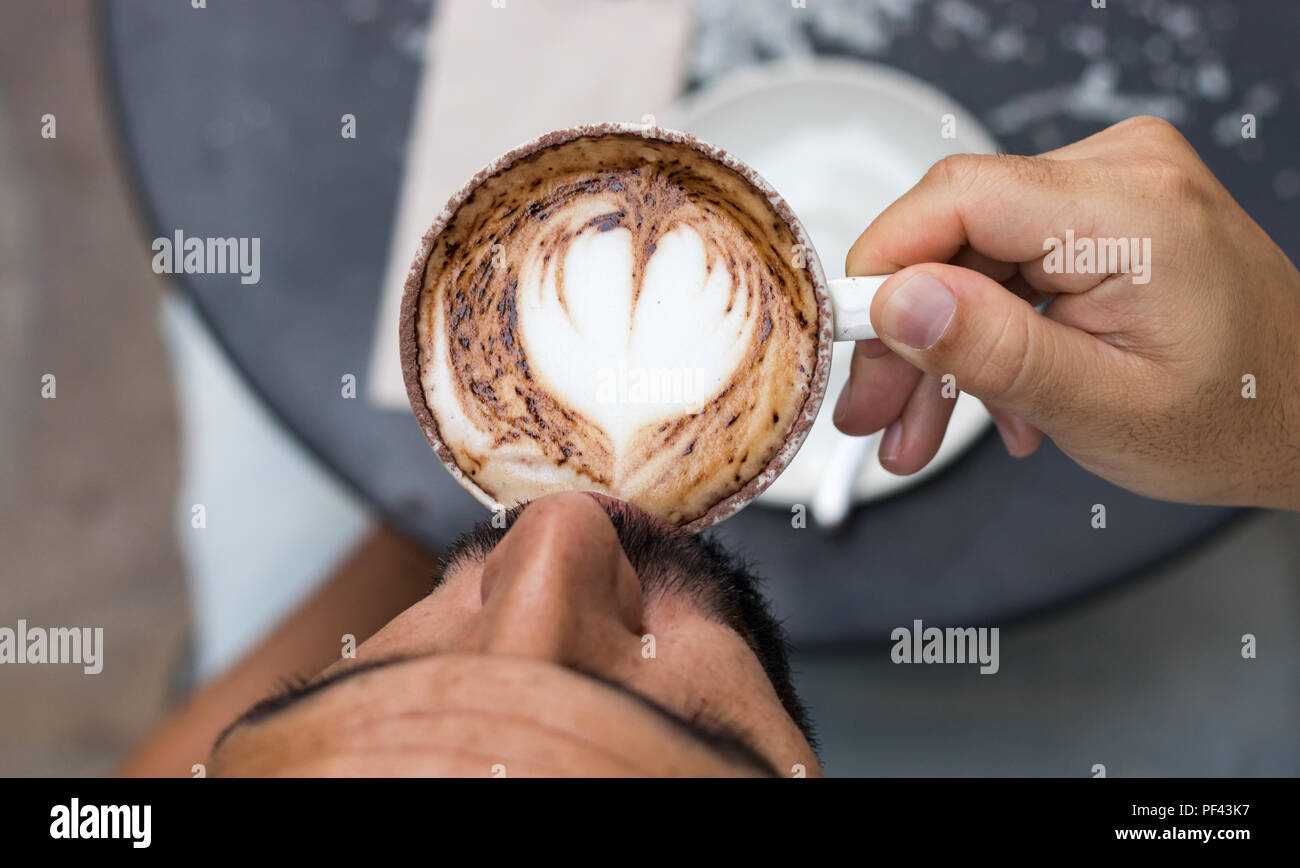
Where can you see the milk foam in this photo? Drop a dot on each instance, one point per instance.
(681, 322)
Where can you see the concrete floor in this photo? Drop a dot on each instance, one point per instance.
(86, 479)
(1147, 680)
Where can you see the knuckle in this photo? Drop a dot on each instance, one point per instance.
(1159, 139)
(1175, 181)
(955, 172)
(1166, 139)
(1145, 122)
(1151, 127)
(962, 173)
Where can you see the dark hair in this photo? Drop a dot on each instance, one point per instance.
(668, 560)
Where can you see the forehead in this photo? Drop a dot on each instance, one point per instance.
(460, 715)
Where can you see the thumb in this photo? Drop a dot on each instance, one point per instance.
(949, 320)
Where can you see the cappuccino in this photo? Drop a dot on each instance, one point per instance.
(613, 312)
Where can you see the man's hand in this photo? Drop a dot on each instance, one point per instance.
(1142, 383)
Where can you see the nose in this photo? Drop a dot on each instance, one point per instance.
(558, 586)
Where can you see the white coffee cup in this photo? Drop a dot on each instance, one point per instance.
(842, 305)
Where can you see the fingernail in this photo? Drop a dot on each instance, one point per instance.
(892, 441)
(918, 312)
(842, 405)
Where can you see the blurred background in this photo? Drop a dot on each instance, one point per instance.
(1123, 650)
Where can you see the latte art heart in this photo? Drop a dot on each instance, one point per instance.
(629, 330)
(652, 304)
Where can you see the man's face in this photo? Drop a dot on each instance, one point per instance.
(587, 639)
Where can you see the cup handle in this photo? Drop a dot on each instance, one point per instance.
(851, 304)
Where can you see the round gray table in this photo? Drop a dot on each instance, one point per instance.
(229, 121)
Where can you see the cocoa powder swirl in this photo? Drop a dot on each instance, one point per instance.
(548, 296)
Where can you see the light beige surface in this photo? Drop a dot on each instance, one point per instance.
(624, 63)
(86, 479)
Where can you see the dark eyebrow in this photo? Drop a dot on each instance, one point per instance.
(713, 736)
(292, 692)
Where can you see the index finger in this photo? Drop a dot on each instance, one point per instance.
(1004, 207)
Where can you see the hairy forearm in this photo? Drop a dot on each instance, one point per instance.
(382, 576)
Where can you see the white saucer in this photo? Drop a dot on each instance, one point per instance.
(839, 141)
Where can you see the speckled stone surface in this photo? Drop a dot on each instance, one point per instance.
(233, 137)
